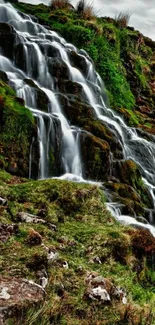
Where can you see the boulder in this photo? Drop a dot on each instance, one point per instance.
(17, 294)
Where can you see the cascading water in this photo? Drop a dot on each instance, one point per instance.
(37, 43)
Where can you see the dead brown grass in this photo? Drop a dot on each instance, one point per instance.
(123, 19)
(59, 4)
(86, 10)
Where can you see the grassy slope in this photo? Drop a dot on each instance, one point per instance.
(85, 230)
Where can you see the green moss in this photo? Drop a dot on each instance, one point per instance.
(17, 127)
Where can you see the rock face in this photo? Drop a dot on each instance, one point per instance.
(17, 294)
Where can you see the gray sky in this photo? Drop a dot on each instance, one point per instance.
(142, 12)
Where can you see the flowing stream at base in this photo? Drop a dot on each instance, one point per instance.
(37, 43)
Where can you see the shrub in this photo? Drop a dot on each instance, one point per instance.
(86, 10)
(59, 4)
(122, 19)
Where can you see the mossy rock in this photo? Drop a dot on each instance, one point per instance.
(127, 195)
(16, 131)
(95, 153)
(128, 173)
(100, 130)
(76, 111)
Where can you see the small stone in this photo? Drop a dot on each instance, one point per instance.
(3, 201)
(97, 260)
(4, 294)
(65, 265)
(43, 282)
(52, 256)
(99, 293)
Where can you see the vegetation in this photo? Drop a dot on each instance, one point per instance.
(16, 129)
(74, 223)
(59, 4)
(85, 10)
(89, 240)
(122, 19)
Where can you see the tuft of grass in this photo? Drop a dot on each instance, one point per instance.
(59, 4)
(123, 19)
(85, 10)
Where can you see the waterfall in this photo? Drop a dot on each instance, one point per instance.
(38, 47)
(33, 37)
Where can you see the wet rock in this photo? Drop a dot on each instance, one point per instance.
(41, 98)
(3, 76)
(6, 231)
(97, 158)
(17, 294)
(8, 38)
(19, 53)
(76, 111)
(142, 220)
(128, 173)
(70, 87)
(100, 130)
(79, 62)
(58, 68)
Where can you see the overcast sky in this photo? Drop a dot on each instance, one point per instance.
(142, 12)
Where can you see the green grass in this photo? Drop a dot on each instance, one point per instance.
(85, 230)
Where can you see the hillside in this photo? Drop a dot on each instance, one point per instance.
(62, 233)
(64, 258)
